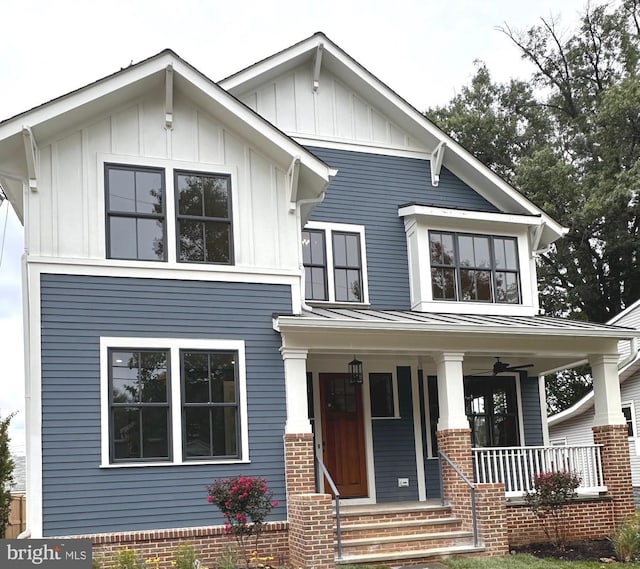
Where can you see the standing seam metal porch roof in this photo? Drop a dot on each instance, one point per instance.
(362, 318)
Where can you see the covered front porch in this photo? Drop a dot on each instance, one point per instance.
(429, 387)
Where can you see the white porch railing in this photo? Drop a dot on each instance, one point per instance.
(517, 466)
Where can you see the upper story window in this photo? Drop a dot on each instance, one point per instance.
(467, 267)
(203, 223)
(136, 224)
(333, 258)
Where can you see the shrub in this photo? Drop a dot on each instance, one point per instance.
(552, 490)
(184, 557)
(128, 559)
(245, 502)
(626, 540)
(6, 474)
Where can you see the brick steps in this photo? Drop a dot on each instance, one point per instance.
(415, 532)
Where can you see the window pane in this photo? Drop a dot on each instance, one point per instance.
(315, 283)
(216, 196)
(346, 250)
(196, 377)
(150, 240)
(481, 252)
(191, 240)
(441, 245)
(198, 431)
(465, 251)
(126, 433)
(153, 377)
(155, 429)
(475, 285)
(124, 377)
(122, 193)
(626, 411)
(189, 195)
(149, 192)
(122, 238)
(510, 254)
(224, 420)
(217, 237)
(443, 284)
(223, 385)
(381, 388)
(348, 285)
(499, 253)
(507, 288)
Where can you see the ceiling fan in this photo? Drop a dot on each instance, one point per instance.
(502, 367)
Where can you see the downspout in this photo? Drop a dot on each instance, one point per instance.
(300, 203)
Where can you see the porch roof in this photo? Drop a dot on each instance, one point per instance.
(550, 344)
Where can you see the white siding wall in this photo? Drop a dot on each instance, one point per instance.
(578, 429)
(630, 320)
(335, 111)
(67, 213)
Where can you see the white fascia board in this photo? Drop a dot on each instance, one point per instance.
(439, 213)
(311, 323)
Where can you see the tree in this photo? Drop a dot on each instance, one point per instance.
(6, 474)
(569, 140)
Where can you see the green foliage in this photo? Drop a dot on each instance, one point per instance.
(626, 539)
(551, 491)
(245, 502)
(6, 474)
(228, 559)
(569, 139)
(519, 561)
(184, 557)
(129, 559)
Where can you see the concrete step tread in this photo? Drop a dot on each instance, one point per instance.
(391, 508)
(406, 538)
(415, 554)
(401, 524)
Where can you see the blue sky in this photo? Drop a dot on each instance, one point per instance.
(422, 49)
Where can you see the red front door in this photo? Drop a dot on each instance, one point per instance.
(343, 434)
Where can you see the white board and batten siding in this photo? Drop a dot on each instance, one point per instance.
(66, 216)
(334, 112)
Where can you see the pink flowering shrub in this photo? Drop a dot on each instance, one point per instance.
(245, 502)
(551, 491)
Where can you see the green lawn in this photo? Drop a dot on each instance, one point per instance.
(521, 561)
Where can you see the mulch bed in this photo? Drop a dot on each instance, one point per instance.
(592, 550)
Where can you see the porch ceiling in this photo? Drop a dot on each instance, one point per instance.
(548, 343)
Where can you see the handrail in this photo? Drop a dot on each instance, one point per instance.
(472, 490)
(336, 494)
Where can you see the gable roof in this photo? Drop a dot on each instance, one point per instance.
(458, 160)
(627, 367)
(92, 100)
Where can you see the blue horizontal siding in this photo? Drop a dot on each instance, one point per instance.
(367, 191)
(394, 448)
(78, 496)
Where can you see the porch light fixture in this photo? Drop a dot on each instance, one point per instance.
(355, 371)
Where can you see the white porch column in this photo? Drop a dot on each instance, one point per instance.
(606, 390)
(451, 392)
(295, 378)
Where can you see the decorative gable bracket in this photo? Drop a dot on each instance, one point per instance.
(317, 64)
(168, 98)
(31, 154)
(292, 176)
(437, 156)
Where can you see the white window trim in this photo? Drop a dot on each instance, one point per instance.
(394, 394)
(630, 405)
(558, 442)
(174, 345)
(169, 167)
(328, 229)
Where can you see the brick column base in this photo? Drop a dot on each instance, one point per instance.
(491, 509)
(299, 464)
(616, 468)
(456, 444)
(311, 532)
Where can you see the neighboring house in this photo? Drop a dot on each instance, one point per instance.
(19, 485)
(234, 277)
(573, 425)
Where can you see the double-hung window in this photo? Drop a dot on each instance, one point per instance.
(173, 401)
(468, 267)
(136, 224)
(334, 264)
(136, 212)
(629, 412)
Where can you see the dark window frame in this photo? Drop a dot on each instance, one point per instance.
(139, 405)
(630, 420)
(111, 213)
(203, 218)
(390, 403)
(346, 267)
(324, 266)
(211, 405)
(457, 268)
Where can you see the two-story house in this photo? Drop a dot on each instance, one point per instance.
(293, 274)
